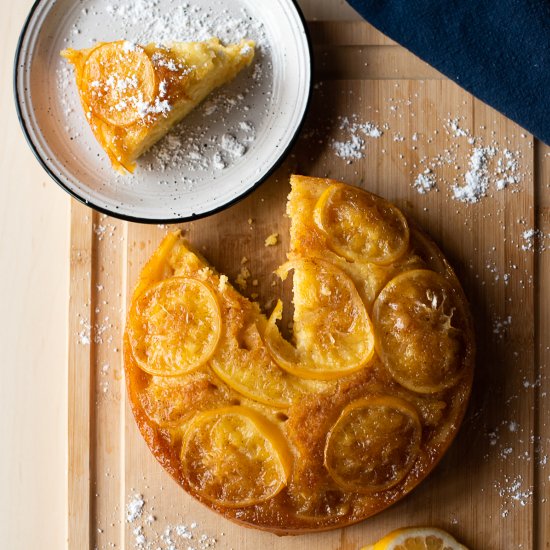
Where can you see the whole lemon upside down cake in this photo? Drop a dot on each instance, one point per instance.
(333, 425)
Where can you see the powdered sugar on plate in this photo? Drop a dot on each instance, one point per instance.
(197, 145)
(219, 151)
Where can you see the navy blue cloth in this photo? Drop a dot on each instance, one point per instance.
(499, 50)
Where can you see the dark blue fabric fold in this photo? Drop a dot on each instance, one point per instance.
(499, 50)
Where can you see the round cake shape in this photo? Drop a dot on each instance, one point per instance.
(335, 424)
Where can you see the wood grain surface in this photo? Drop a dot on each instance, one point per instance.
(34, 296)
(491, 490)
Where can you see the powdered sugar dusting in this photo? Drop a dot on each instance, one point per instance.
(84, 336)
(150, 534)
(534, 240)
(529, 239)
(220, 133)
(454, 127)
(424, 182)
(185, 21)
(514, 492)
(491, 167)
(476, 179)
(501, 326)
(353, 147)
(507, 170)
(232, 146)
(134, 508)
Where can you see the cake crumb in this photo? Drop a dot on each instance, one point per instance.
(242, 278)
(222, 283)
(272, 239)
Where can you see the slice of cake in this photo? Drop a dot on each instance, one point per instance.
(133, 95)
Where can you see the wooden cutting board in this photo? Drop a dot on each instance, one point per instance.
(491, 490)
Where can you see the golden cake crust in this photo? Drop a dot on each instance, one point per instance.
(132, 95)
(294, 430)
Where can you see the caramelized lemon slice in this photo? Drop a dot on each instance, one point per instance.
(170, 401)
(360, 226)
(374, 444)
(417, 538)
(158, 267)
(332, 330)
(420, 329)
(250, 370)
(174, 326)
(118, 82)
(235, 457)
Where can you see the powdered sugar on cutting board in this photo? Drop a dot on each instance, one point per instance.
(356, 134)
(476, 179)
(148, 532)
(490, 167)
(134, 508)
(425, 182)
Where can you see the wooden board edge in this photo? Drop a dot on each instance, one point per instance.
(347, 33)
(541, 534)
(79, 378)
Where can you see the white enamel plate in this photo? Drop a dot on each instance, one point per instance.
(217, 154)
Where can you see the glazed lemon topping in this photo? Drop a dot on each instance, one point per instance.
(332, 329)
(334, 423)
(361, 227)
(235, 456)
(175, 326)
(374, 444)
(420, 331)
(117, 83)
(251, 370)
